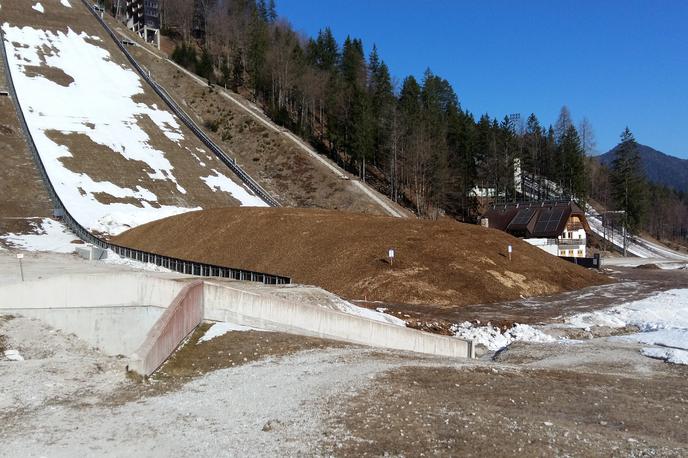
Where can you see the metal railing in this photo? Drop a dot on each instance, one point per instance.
(186, 119)
(175, 264)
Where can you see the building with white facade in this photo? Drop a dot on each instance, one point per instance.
(557, 227)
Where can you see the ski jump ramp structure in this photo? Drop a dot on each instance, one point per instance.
(146, 316)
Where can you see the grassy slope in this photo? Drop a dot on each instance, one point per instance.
(438, 262)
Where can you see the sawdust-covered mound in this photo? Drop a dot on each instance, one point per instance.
(437, 262)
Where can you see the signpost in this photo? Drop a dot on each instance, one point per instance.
(509, 249)
(20, 256)
(390, 255)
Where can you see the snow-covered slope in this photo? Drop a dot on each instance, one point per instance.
(116, 157)
(636, 246)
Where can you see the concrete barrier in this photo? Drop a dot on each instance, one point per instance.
(176, 323)
(117, 312)
(92, 290)
(114, 330)
(265, 311)
(111, 311)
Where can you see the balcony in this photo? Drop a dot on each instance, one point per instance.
(570, 242)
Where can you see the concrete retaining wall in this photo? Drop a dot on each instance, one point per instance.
(224, 303)
(96, 290)
(113, 312)
(113, 330)
(117, 311)
(177, 322)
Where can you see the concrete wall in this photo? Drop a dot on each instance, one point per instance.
(113, 311)
(116, 312)
(96, 290)
(264, 311)
(177, 322)
(113, 330)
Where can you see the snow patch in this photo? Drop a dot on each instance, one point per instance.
(47, 235)
(494, 339)
(65, 3)
(220, 329)
(667, 309)
(375, 315)
(99, 104)
(670, 355)
(114, 258)
(13, 355)
(219, 182)
(662, 320)
(38, 7)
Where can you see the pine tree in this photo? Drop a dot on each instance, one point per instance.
(628, 181)
(573, 170)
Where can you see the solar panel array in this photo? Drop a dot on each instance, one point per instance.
(522, 217)
(549, 219)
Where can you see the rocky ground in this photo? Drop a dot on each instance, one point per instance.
(259, 393)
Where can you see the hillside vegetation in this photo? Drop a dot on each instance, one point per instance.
(437, 262)
(414, 142)
(659, 168)
(279, 164)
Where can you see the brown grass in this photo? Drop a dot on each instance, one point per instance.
(438, 262)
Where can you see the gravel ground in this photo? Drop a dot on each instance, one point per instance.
(63, 400)
(312, 398)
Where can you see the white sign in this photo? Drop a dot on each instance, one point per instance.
(20, 256)
(390, 254)
(510, 249)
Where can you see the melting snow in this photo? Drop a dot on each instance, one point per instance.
(670, 355)
(38, 7)
(220, 182)
(493, 339)
(98, 104)
(66, 3)
(47, 235)
(13, 355)
(351, 309)
(662, 320)
(220, 329)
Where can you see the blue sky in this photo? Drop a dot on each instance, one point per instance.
(617, 63)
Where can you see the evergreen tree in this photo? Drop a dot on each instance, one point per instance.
(271, 12)
(628, 181)
(573, 170)
(204, 67)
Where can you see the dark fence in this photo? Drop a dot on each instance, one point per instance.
(186, 119)
(590, 263)
(175, 264)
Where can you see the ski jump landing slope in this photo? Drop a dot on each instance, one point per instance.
(115, 155)
(636, 246)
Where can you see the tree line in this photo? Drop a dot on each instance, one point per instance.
(647, 207)
(409, 138)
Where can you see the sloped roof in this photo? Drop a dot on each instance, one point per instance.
(534, 219)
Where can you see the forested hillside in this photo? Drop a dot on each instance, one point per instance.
(412, 140)
(659, 168)
(620, 182)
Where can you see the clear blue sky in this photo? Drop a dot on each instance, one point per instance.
(616, 62)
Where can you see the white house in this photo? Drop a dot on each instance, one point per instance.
(557, 227)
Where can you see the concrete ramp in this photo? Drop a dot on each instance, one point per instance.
(148, 315)
(265, 311)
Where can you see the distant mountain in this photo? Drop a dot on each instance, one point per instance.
(660, 168)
